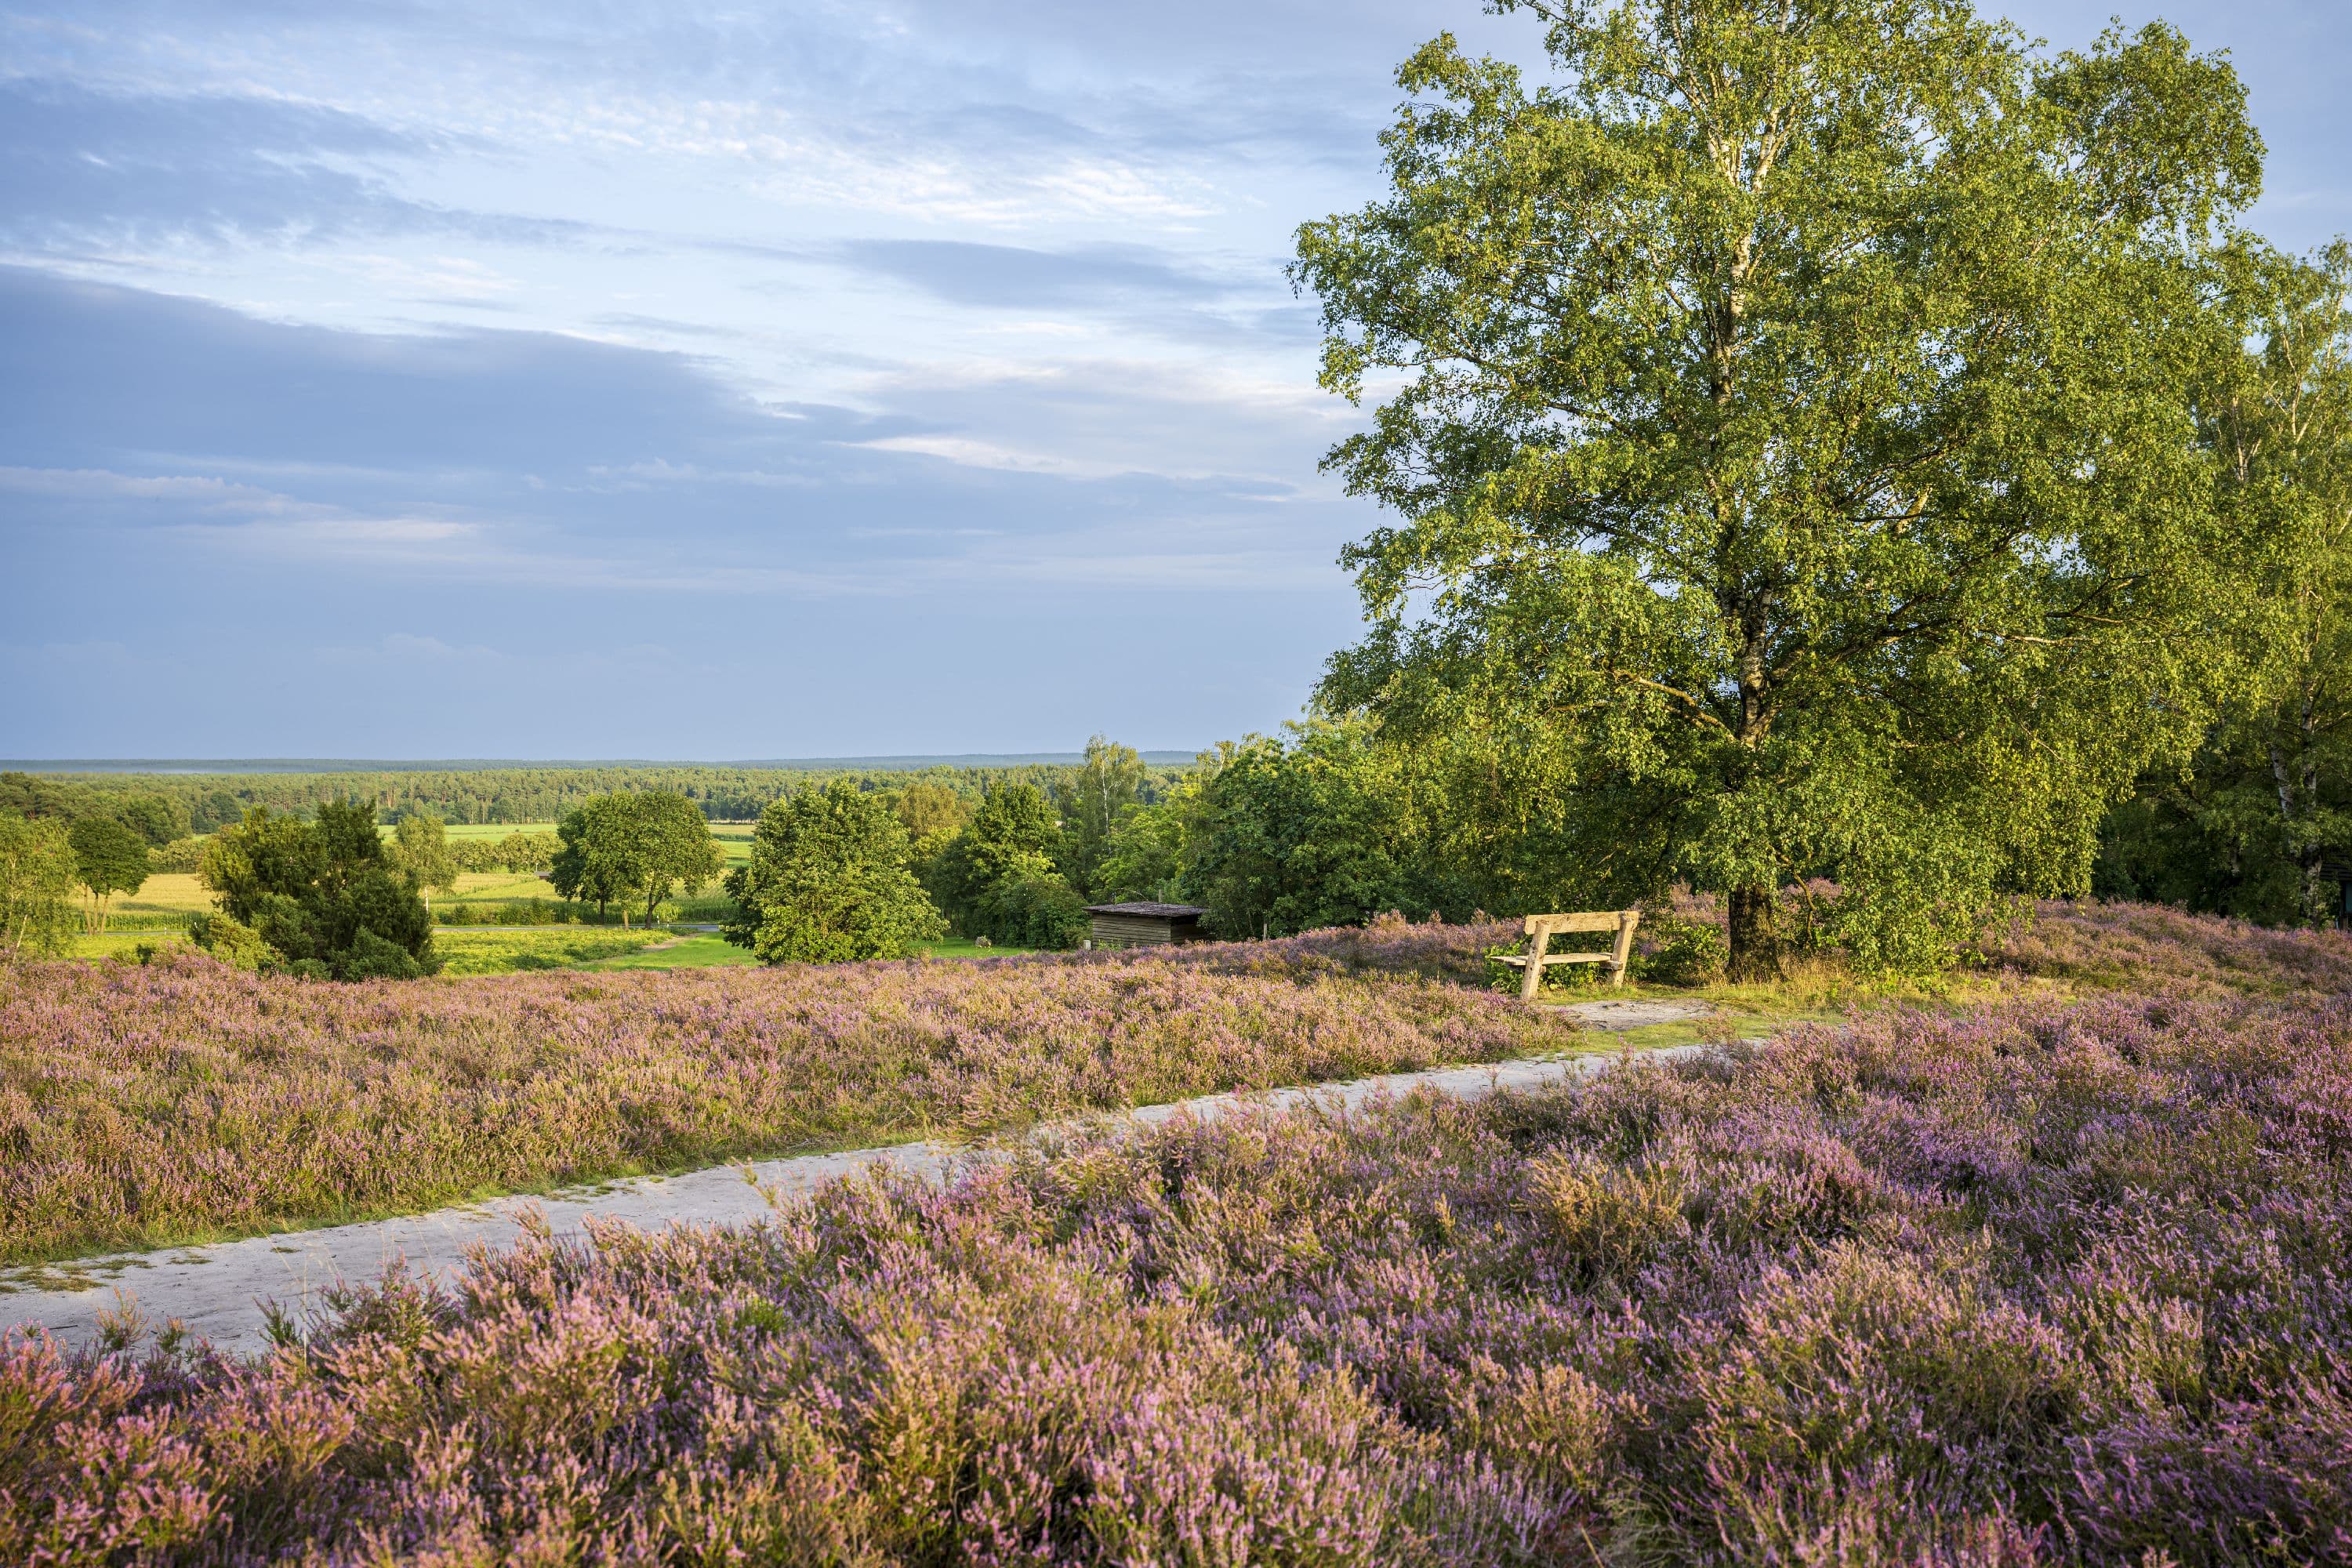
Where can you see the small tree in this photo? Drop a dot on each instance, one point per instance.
(37, 874)
(420, 848)
(324, 896)
(828, 883)
(520, 852)
(930, 810)
(604, 854)
(678, 848)
(109, 859)
(1105, 787)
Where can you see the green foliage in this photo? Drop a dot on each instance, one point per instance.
(420, 849)
(324, 896)
(1000, 876)
(928, 810)
(1794, 481)
(517, 852)
(2260, 825)
(1103, 789)
(213, 809)
(1327, 829)
(154, 817)
(208, 802)
(181, 856)
(828, 883)
(238, 946)
(1039, 909)
(109, 859)
(634, 847)
(1672, 950)
(38, 877)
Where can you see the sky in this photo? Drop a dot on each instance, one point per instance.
(705, 381)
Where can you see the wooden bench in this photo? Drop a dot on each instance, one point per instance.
(1541, 928)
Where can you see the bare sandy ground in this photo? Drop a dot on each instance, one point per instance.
(217, 1292)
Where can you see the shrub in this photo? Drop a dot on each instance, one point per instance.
(1040, 910)
(37, 876)
(238, 946)
(1672, 950)
(2033, 1286)
(314, 889)
(828, 883)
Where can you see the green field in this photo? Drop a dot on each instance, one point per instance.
(494, 950)
(703, 951)
(501, 950)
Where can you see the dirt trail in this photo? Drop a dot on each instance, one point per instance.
(218, 1291)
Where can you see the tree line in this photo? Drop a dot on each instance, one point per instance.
(204, 803)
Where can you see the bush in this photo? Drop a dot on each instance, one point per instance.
(38, 874)
(235, 944)
(512, 912)
(313, 889)
(828, 882)
(1672, 950)
(1040, 911)
(370, 957)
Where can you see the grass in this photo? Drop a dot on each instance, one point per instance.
(701, 951)
(120, 943)
(505, 949)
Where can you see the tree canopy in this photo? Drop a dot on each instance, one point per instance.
(2260, 823)
(634, 847)
(828, 882)
(323, 896)
(1001, 875)
(1797, 461)
(420, 848)
(109, 859)
(37, 874)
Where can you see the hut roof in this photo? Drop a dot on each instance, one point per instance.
(1150, 911)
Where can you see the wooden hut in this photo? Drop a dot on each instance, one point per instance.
(1144, 925)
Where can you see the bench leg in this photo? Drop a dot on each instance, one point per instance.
(1621, 952)
(1538, 943)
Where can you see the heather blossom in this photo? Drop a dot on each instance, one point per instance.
(2036, 1283)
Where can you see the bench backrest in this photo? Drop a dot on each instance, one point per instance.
(1601, 919)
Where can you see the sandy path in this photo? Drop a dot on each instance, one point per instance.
(216, 1293)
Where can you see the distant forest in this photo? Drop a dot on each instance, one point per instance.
(212, 800)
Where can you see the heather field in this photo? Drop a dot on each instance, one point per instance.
(180, 1100)
(2046, 1282)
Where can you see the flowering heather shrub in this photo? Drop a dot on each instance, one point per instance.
(1389, 946)
(2148, 947)
(2038, 1285)
(139, 1106)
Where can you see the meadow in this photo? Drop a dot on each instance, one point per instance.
(2042, 1282)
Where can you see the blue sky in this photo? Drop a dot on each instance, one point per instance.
(488, 378)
